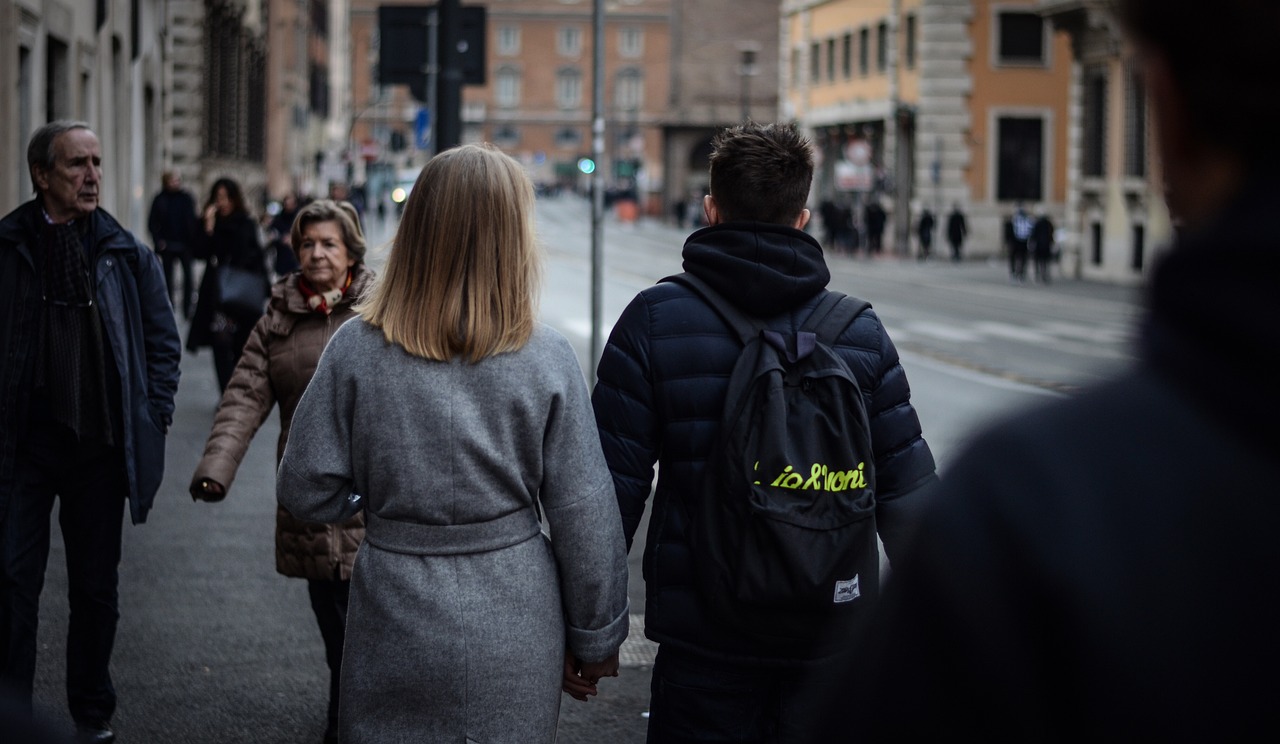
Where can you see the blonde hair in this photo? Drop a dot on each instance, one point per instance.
(464, 266)
(328, 210)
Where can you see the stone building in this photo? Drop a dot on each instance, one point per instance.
(675, 71)
(101, 62)
(1115, 211)
(932, 103)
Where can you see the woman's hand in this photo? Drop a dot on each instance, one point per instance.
(574, 684)
(210, 217)
(207, 489)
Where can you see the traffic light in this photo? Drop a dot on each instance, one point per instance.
(587, 165)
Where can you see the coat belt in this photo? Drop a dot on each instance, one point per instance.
(415, 538)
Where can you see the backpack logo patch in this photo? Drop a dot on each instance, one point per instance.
(847, 591)
(821, 478)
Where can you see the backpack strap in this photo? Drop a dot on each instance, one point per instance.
(746, 327)
(833, 314)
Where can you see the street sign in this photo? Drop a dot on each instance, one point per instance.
(422, 129)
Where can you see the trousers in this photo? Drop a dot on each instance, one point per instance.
(88, 480)
(697, 699)
(329, 599)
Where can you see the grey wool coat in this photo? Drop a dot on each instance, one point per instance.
(461, 606)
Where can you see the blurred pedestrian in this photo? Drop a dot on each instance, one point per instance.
(454, 420)
(1017, 238)
(662, 388)
(91, 356)
(306, 308)
(925, 232)
(1042, 246)
(228, 238)
(874, 216)
(280, 236)
(172, 223)
(1103, 567)
(957, 231)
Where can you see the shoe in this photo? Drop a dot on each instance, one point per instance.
(94, 733)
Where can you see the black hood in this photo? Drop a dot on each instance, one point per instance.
(1213, 311)
(762, 268)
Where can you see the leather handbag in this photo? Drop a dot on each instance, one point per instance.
(241, 291)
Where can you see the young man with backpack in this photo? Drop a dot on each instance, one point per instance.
(781, 423)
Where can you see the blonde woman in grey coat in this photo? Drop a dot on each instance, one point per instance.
(451, 417)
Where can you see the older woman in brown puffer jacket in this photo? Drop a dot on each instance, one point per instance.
(280, 357)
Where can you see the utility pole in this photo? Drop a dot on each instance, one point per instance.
(597, 189)
(449, 82)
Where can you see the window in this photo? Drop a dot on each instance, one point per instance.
(1020, 168)
(629, 90)
(506, 136)
(1020, 39)
(630, 42)
(568, 138)
(1095, 243)
(864, 60)
(1094, 118)
(882, 47)
(569, 88)
(815, 62)
(507, 90)
(909, 51)
(795, 67)
(846, 56)
(1135, 126)
(569, 41)
(831, 59)
(508, 40)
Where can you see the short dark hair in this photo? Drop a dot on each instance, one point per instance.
(761, 172)
(40, 149)
(1225, 60)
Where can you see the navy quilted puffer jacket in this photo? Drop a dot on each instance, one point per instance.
(661, 385)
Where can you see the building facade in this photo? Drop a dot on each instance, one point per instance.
(724, 70)
(675, 71)
(101, 62)
(932, 104)
(537, 102)
(1115, 211)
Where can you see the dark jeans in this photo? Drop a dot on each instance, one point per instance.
(329, 603)
(89, 482)
(182, 258)
(696, 699)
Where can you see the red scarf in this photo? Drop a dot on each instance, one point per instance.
(322, 302)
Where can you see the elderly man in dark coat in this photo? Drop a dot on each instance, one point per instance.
(86, 395)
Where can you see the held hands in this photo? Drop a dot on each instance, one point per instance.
(207, 489)
(580, 678)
